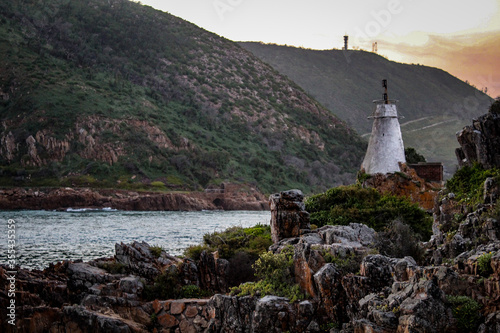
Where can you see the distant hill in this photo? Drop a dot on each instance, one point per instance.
(435, 104)
(111, 93)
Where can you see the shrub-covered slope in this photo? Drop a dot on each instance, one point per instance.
(113, 93)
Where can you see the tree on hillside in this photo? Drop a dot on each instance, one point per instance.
(495, 107)
(412, 157)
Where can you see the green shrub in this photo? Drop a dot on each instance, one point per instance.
(412, 156)
(254, 241)
(113, 267)
(347, 204)
(484, 264)
(158, 185)
(240, 246)
(155, 250)
(275, 273)
(398, 240)
(468, 182)
(194, 251)
(466, 312)
(193, 291)
(165, 286)
(348, 264)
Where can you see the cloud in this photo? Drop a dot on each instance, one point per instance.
(471, 57)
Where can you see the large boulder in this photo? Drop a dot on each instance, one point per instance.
(328, 282)
(267, 314)
(288, 215)
(139, 259)
(213, 272)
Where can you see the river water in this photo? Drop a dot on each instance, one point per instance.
(44, 237)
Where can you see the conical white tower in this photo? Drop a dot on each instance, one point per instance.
(385, 148)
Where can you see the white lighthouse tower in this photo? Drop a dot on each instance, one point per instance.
(385, 148)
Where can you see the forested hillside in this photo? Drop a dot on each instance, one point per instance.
(434, 104)
(111, 93)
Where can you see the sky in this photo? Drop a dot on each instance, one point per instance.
(461, 37)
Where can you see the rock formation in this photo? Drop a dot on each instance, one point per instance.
(288, 215)
(405, 183)
(480, 142)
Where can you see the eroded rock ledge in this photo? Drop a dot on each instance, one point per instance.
(62, 198)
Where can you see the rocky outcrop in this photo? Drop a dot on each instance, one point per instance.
(405, 184)
(480, 142)
(288, 215)
(267, 314)
(90, 134)
(63, 198)
(457, 228)
(214, 272)
(137, 257)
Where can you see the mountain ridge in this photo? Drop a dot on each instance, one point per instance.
(113, 93)
(434, 103)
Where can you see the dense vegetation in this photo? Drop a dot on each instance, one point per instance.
(275, 277)
(434, 103)
(231, 241)
(353, 204)
(240, 246)
(122, 94)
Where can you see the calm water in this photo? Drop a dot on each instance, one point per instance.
(44, 237)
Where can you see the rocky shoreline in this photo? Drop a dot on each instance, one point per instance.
(229, 198)
(386, 294)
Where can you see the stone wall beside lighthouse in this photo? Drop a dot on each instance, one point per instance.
(385, 149)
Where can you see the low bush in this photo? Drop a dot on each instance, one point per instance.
(398, 240)
(253, 241)
(155, 250)
(347, 204)
(113, 267)
(275, 274)
(240, 246)
(495, 107)
(193, 291)
(348, 264)
(466, 312)
(165, 286)
(484, 264)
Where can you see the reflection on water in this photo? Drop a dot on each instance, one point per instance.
(45, 237)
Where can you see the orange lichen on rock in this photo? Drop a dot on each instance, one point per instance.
(406, 184)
